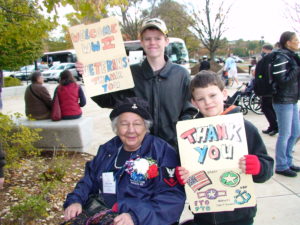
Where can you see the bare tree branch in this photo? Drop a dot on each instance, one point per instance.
(210, 24)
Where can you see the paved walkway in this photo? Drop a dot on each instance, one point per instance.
(278, 199)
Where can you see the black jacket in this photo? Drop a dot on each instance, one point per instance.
(167, 94)
(286, 72)
(243, 216)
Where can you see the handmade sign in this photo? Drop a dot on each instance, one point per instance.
(210, 148)
(100, 48)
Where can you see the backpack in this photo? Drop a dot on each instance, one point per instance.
(263, 81)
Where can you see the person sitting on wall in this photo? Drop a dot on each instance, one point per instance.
(38, 101)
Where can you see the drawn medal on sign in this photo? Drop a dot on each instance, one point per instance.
(230, 179)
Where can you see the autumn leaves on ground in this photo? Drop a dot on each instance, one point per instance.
(34, 193)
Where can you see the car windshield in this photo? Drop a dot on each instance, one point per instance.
(58, 67)
(27, 68)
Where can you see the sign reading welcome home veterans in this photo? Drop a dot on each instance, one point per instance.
(100, 48)
(210, 148)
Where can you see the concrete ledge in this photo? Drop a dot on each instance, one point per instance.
(13, 91)
(72, 135)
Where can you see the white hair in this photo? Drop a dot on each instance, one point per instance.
(114, 125)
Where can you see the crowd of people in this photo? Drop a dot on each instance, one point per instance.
(136, 177)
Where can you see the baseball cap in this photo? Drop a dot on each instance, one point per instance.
(156, 23)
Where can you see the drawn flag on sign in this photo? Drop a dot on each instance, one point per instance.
(198, 181)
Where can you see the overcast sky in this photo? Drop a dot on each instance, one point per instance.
(251, 19)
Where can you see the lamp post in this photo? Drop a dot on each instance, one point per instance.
(262, 40)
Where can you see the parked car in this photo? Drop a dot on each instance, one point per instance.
(25, 71)
(193, 61)
(219, 59)
(237, 59)
(54, 72)
(7, 73)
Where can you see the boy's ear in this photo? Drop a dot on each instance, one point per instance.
(225, 94)
(194, 103)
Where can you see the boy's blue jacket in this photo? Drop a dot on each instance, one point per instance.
(159, 200)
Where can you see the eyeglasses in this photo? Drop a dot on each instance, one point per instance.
(135, 125)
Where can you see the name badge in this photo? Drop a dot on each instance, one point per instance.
(109, 184)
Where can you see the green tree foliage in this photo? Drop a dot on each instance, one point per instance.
(178, 22)
(22, 30)
(86, 11)
(131, 22)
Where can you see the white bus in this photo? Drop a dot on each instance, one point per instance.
(64, 56)
(176, 51)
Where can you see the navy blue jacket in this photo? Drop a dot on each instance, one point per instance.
(159, 200)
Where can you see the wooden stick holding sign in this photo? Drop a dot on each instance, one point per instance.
(210, 148)
(100, 48)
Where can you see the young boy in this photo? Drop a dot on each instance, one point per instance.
(208, 95)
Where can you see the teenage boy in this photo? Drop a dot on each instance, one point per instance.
(208, 95)
(163, 84)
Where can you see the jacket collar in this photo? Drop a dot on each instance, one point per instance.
(148, 73)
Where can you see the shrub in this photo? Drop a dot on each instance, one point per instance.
(30, 207)
(17, 140)
(11, 81)
(57, 169)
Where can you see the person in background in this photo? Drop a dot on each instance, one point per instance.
(252, 63)
(37, 98)
(132, 175)
(158, 81)
(286, 75)
(266, 102)
(71, 96)
(2, 164)
(230, 66)
(208, 95)
(204, 64)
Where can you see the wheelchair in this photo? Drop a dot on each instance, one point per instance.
(246, 100)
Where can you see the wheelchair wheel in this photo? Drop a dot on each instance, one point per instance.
(246, 101)
(255, 104)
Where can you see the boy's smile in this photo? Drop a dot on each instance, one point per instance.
(209, 100)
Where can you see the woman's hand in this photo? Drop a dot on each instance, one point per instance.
(73, 210)
(182, 174)
(123, 219)
(79, 67)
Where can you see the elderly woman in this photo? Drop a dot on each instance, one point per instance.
(133, 174)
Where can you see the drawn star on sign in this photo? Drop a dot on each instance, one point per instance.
(230, 179)
(212, 194)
